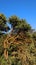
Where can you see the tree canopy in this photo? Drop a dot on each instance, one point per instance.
(19, 46)
(19, 23)
(3, 21)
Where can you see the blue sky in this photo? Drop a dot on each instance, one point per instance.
(22, 8)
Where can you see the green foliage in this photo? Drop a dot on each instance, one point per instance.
(13, 20)
(23, 24)
(2, 21)
(1, 50)
(3, 26)
(34, 35)
(20, 51)
(17, 23)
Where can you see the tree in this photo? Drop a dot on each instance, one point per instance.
(19, 23)
(34, 35)
(13, 20)
(22, 24)
(3, 26)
